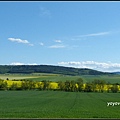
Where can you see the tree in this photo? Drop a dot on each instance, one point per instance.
(45, 85)
(67, 85)
(102, 84)
(31, 85)
(88, 87)
(25, 85)
(40, 86)
(98, 84)
(80, 84)
(14, 86)
(73, 87)
(108, 87)
(114, 88)
(61, 85)
(3, 85)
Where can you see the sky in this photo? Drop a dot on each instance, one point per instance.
(72, 34)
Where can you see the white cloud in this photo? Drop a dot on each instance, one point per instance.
(31, 44)
(95, 34)
(101, 66)
(32, 64)
(19, 63)
(58, 41)
(18, 40)
(41, 44)
(57, 46)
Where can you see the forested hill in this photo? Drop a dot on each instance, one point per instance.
(47, 69)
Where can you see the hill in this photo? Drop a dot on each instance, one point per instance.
(117, 73)
(48, 69)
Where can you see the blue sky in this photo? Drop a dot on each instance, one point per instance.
(73, 34)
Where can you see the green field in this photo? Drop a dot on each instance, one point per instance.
(58, 77)
(57, 104)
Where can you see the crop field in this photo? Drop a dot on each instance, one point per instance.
(107, 78)
(58, 104)
(86, 78)
(16, 76)
(58, 77)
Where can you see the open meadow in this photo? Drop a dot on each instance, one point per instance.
(58, 104)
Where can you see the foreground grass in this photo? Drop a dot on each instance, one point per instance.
(57, 104)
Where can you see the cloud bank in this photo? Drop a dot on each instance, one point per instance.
(100, 66)
(19, 63)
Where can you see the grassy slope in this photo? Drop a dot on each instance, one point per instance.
(54, 104)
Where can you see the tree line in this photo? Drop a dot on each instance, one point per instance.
(67, 86)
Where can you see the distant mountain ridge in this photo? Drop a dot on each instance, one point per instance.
(48, 69)
(118, 73)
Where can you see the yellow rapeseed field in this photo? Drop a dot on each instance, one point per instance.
(10, 83)
(53, 85)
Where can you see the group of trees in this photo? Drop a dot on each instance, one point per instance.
(25, 85)
(70, 86)
(3, 85)
(94, 86)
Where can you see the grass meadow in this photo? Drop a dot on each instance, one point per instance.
(57, 104)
